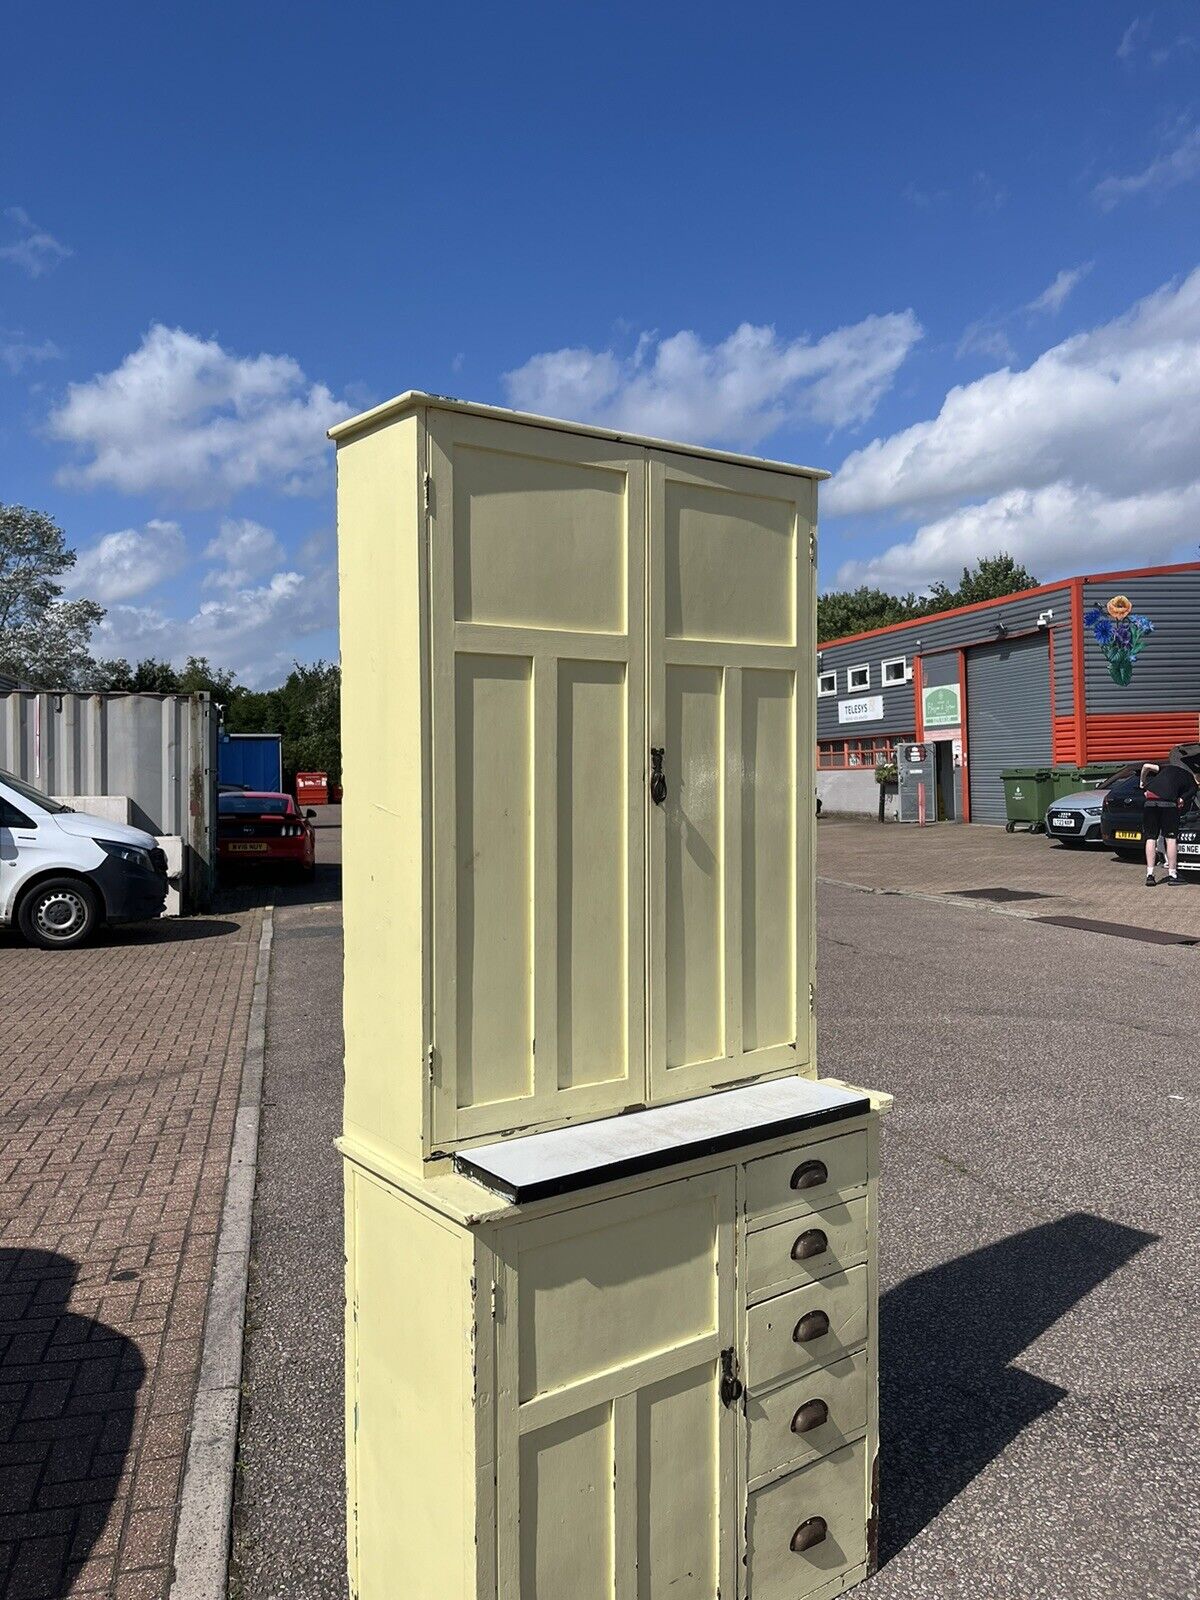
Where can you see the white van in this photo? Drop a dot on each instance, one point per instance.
(63, 873)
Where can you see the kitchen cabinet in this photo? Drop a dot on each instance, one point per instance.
(611, 1299)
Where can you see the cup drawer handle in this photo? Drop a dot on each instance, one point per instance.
(809, 1534)
(810, 1175)
(812, 1414)
(813, 1242)
(813, 1325)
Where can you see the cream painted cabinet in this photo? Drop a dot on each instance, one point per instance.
(594, 1396)
(610, 1243)
(543, 628)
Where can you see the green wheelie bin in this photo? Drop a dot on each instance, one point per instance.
(1027, 793)
(1065, 781)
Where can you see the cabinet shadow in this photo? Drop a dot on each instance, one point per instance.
(951, 1400)
(70, 1384)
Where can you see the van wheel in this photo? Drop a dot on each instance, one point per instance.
(59, 914)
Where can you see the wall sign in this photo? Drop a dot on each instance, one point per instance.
(867, 708)
(941, 706)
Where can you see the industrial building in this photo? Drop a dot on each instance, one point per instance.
(1018, 681)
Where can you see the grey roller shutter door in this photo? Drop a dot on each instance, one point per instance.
(1008, 717)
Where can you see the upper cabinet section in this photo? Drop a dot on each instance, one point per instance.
(536, 622)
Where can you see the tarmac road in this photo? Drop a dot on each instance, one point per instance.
(1038, 1254)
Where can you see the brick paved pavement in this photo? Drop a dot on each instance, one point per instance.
(119, 1073)
(950, 857)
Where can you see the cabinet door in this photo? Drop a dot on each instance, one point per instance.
(537, 633)
(730, 867)
(616, 1460)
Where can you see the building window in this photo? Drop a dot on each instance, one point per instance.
(842, 755)
(826, 683)
(895, 670)
(858, 678)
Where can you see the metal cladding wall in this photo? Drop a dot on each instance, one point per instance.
(976, 626)
(158, 749)
(1159, 707)
(1008, 717)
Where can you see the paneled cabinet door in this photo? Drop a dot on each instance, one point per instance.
(537, 589)
(730, 620)
(616, 1458)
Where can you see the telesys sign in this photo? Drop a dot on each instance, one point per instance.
(867, 708)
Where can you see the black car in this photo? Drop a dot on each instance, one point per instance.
(1121, 815)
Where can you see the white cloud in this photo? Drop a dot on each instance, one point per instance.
(184, 416)
(1051, 530)
(257, 631)
(736, 392)
(245, 551)
(1088, 453)
(1180, 163)
(122, 565)
(986, 338)
(1136, 31)
(17, 352)
(33, 250)
(1055, 295)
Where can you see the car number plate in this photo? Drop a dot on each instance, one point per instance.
(1189, 849)
(1123, 833)
(1063, 822)
(243, 849)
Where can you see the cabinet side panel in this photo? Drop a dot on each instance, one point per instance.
(408, 1373)
(380, 563)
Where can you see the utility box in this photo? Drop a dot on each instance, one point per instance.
(591, 1353)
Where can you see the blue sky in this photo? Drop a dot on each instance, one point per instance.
(945, 250)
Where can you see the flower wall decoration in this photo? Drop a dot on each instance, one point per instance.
(1120, 634)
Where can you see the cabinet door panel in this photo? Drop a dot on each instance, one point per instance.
(537, 710)
(729, 852)
(610, 1432)
(567, 1520)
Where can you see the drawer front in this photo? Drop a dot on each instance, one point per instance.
(805, 1248)
(809, 1417)
(806, 1328)
(806, 1179)
(807, 1528)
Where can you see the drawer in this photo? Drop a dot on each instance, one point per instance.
(807, 1418)
(804, 1248)
(804, 1530)
(806, 1179)
(806, 1328)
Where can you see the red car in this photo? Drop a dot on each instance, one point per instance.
(265, 830)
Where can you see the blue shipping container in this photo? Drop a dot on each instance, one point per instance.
(251, 761)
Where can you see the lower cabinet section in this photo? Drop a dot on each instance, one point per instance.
(623, 1394)
(808, 1528)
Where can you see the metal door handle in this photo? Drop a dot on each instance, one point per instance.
(810, 1243)
(810, 1175)
(814, 1325)
(658, 784)
(809, 1533)
(812, 1414)
(732, 1387)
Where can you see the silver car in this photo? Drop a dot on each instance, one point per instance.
(1075, 819)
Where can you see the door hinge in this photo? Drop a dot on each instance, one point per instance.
(812, 997)
(497, 1303)
(812, 545)
(428, 491)
(431, 1063)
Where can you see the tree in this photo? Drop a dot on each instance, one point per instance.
(993, 578)
(44, 640)
(846, 611)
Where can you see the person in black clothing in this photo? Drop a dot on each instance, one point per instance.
(1167, 791)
